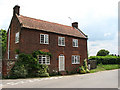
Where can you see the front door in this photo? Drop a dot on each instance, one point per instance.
(61, 63)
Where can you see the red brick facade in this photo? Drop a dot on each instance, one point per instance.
(29, 41)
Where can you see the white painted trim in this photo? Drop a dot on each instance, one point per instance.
(17, 37)
(45, 59)
(44, 39)
(74, 59)
(63, 62)
(76, 45)
(9, 44)
(61, 41)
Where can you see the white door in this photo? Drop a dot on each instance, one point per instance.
(61, 63)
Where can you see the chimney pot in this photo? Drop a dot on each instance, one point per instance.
(75, 24)
(16, 10)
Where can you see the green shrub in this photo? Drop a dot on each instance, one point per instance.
(86, 66)
(42, 69)
(106, 59)
(44, 75)
(27, 66)
(35, 53)
(17, 51)
(82, 70)
(18, 71)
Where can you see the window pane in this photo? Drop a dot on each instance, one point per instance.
(63, 41)
(43, 60)
(17, 37)
(59, 40)
(75, 59)
(42, 38)
(73, 42)
(72, 59)
(76, 42)
(46, 38)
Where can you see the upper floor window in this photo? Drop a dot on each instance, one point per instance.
(44, 59)
(75, 42)
(61, 41)
(44, 39)
(75, 59)
(17, 37)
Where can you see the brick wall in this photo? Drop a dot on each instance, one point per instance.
(30, 41)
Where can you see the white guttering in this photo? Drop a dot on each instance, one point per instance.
(9, 44)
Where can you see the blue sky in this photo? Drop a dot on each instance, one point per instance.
(96, 18)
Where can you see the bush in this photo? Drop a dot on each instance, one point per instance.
(86, 66)
(27, 66)
(103, 52)
(82, 70)
(19, 71)
(44, 75)
(106, 59)
(41, 70)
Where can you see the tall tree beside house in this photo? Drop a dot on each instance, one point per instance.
(3, 40)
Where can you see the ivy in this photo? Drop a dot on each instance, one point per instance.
(28, 65)
(36, 53)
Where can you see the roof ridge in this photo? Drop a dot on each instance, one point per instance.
(46, 21)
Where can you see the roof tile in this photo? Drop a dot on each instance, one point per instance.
(49, 26)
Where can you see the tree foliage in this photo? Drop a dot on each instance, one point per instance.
(3, 40)
(103, 52)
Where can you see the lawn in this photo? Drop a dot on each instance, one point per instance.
(101, 67)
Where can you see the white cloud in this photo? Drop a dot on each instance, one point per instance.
(107, 34)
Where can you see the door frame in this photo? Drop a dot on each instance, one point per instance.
(61, 55)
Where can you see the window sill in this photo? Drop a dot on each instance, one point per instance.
(75, 46)
(75, 63)
(16, 42)
(44, 43)
(62, 45)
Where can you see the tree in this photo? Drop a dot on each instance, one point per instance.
(103, 52)
(3, 40)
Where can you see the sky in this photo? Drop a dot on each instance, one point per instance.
(96, 18)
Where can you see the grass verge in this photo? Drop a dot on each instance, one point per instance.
(101, 67)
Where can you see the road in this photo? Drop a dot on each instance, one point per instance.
(103, 79)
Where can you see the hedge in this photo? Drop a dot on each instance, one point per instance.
(106, 59)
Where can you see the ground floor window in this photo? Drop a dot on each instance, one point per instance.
(75, 59)
(44, 59)
(16, 56)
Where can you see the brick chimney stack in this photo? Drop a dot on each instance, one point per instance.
(75, 24)
(16, 10)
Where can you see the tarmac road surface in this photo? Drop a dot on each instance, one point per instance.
(103, 79)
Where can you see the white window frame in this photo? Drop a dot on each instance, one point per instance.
(77, 57)
(45, 36)
(16, 56)
(47, 59)
(61, 41)
(76, 42)
(17, 37)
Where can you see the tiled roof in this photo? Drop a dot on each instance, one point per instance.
(49, 26)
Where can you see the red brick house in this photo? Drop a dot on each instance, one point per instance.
(67, 44)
